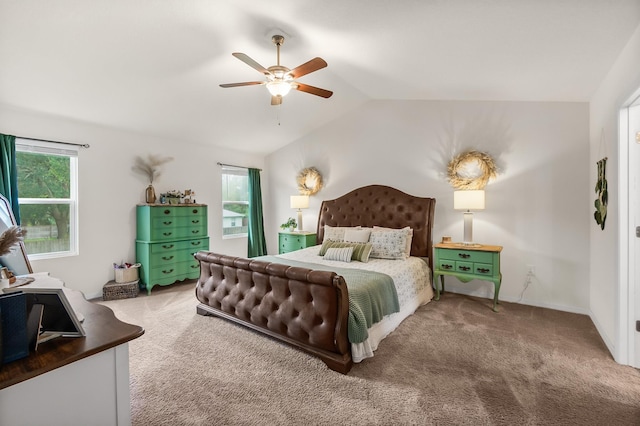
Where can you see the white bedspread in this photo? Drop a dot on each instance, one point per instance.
(411, 278)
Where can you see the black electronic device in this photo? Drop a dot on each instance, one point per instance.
(14, 340)
(57, 317)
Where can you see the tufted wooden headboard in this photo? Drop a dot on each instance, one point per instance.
(379, 205)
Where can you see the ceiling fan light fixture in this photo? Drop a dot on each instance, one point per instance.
(279, 87)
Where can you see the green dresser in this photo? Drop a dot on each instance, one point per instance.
(166, 239)
(480, 262)
(292, 241)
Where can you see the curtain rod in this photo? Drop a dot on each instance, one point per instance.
(81, 145)
(238, 167)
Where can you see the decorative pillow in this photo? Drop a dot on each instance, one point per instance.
(388, 244)
(341, 254)
(361, 251)
(409, 232)
(357, 235)
(335, 233)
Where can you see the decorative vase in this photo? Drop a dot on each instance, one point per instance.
(150, 194)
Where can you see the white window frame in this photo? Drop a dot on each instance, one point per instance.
(71, 151)
(238, 171)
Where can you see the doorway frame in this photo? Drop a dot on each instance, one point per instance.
(627, 172)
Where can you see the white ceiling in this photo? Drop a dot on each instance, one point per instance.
(153, 67)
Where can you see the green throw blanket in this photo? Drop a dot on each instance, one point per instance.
(372, 295)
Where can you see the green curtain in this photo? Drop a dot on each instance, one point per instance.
(257, 243)
(9, 173)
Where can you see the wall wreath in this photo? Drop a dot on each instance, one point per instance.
(309, 181)
(471, 170)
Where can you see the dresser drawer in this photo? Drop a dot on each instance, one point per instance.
(164, 223)
(172, 272)
(176, 211)
(172, 246)
(173, 232)
(171, 257)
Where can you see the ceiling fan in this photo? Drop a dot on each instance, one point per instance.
(280, 80)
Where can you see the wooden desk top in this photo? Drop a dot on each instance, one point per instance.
(462, 246)
(103, 331)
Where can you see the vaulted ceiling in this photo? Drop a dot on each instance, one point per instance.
(154, 67)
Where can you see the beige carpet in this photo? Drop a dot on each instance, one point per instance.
(455, 362)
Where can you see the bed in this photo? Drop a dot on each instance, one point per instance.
(300, 299)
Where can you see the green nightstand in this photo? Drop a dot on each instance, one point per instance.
(466, 263)
(292, 241)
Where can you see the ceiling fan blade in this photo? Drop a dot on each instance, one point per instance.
(313, 90)
(253, 64)
(308, 67)
(276, 100)
(248, 83)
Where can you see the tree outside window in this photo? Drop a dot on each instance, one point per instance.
(46, 190)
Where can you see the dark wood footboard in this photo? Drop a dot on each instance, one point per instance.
(305, 308)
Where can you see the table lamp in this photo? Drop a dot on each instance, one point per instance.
(468, 200)
(299, 202)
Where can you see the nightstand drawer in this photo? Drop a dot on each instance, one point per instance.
(467, 255)
(464, 267)
(483, 269)
(293, 241)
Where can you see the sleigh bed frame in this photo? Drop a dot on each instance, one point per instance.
(306, 308)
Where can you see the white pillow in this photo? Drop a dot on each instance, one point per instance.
(336, 233)
(357, 235)
(341, 254)
(409, 232)
(388, 243)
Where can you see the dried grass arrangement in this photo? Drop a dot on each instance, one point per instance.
(471, 170)
(150, 167)
(309, 181)
(11, 237)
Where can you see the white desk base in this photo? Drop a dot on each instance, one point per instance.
(92, 391)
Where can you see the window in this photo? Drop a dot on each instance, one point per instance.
(47, 191)
(235, 202)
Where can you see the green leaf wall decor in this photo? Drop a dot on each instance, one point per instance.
(600, 214)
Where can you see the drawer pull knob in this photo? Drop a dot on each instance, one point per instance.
(483, 270)
(464, 255)
(167, 222)
(167, 246)
(464, 268)
(195, 266)
(166, 234)
(195, 231)
(195, 243)
(446, 266)
(167, 211)
(167, 257)
(167, 272)
(194, 211)
(195, 221)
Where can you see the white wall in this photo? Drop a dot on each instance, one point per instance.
(537, 208)
(607, 302)
(109, 191)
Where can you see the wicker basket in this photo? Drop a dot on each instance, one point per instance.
(126, 275)
(114, 290)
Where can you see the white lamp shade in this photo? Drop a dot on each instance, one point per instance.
(279, 87)
(468, 200)
(299, 201)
